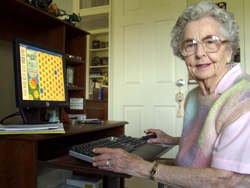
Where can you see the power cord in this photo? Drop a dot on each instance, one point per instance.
(10, 116)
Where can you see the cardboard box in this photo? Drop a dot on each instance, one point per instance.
(84, 182)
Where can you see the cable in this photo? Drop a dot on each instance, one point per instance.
(10, 116)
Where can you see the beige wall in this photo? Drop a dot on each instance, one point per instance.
(247, 34)
(7, 92)
(66, 5)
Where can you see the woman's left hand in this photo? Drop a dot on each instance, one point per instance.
(120, 161)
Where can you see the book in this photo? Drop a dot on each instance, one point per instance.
(94, 74)
(84, 182)
(31, 129)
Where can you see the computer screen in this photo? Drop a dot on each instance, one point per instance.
(40, 79)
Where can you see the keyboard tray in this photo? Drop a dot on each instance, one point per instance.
(132, 145)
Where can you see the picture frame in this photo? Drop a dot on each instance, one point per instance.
(70, 75)
(105, 60)
(96, 44)
(103, 44)
(96, 61)
(236, 57)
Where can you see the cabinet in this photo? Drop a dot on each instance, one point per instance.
(97, 109)
(19, 19)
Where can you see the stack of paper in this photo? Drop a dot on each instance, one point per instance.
(32, 129)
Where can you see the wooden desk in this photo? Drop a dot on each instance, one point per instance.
(22, 154)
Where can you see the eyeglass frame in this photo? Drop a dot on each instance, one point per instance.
(197, 42)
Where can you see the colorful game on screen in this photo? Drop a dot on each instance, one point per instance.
(41, 74)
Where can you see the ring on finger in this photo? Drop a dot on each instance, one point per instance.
(108, 164)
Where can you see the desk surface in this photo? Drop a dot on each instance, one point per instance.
(69, 130)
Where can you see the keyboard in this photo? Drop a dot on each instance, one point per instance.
(132, 145)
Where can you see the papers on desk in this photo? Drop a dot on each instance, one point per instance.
(32, 129)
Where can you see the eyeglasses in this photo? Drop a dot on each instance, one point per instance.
(210, 44)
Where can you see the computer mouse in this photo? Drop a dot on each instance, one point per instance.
(149, 136)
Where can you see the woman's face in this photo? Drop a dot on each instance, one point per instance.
(203, 65)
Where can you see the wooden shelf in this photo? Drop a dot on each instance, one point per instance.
(103, 31)
(75, 88)
(96, 77)
(98, 67)
(25, 14)
(98, 49)
(73, 61)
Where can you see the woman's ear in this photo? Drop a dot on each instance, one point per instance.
(229, 55)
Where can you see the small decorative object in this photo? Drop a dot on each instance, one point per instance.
(70, 75)
(179, 97)
(62, 15)
(78, 57)
(96, 61)
(191, 80)
(222, 5)
(55, 11)
(74, 18)
(105, 61)
(105, 80)
(70, 56)
(96, 44)
(40, 4)
(74, 56)
(107, 45)
(103, 45)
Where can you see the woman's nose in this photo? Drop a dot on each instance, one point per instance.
(200, 50)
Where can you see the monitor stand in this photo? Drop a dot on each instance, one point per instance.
(33, 116)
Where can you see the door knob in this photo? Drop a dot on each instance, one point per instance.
(180, 82)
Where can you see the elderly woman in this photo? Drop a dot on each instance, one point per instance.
(215, 145)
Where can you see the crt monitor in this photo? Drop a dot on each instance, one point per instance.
(40, 79)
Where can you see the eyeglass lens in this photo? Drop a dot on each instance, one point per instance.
(209, 44)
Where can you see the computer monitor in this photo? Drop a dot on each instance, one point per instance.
(40, 79)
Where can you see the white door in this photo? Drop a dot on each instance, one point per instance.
(144, 70)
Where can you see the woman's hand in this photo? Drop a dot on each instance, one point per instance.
(120, 161)
(162, 137)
